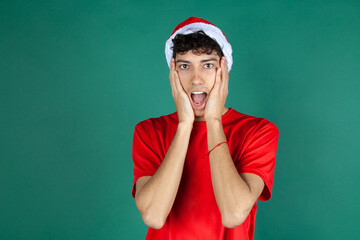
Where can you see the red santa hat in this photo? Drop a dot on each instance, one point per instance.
(194, 24)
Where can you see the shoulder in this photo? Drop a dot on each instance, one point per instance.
(159, 123)
(250, 124)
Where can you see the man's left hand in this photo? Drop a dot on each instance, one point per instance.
(217, 96)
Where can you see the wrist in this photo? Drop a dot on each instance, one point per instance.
(214, 126)
(185, 125)
(213, 121)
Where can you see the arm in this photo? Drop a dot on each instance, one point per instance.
(156, 198)
(235, 194)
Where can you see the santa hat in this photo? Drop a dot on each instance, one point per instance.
(194, 24)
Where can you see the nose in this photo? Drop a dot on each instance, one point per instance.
(197, 78)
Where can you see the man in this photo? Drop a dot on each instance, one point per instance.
(199, 171)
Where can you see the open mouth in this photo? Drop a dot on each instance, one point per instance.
(198, 99)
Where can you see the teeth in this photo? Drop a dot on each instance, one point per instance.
(197, 92)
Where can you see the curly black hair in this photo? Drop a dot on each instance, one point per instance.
(198, 42)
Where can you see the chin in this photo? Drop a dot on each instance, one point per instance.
(199, 110)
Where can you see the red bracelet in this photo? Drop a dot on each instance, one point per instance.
(215, 147)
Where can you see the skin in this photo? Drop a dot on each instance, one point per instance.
(235, 193)
(205, 72)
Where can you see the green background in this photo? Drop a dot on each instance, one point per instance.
(76, 76)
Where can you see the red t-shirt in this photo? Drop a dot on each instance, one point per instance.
(252, 143)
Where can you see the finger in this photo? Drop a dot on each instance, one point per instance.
(177, 82)
(171, 67)
(217, 80)
(178, 85)
(172, 76)
(226, 66)
(224, 74)
(226, 77)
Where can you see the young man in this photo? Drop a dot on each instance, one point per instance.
(199, 171)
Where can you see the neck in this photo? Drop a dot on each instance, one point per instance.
(202, 119)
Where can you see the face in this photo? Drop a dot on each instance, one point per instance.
(197, 77)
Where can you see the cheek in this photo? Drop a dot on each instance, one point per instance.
(210, 76)
(184, 78)
(182, 75)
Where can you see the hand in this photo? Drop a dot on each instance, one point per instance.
(218, 94)
(181, 99)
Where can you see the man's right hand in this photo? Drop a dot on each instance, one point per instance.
(182, 102)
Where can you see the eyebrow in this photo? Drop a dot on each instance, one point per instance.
(204, 60)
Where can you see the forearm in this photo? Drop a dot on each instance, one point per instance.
(157, 196)
(229, 187)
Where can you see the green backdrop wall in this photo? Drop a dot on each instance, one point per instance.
(76, 76)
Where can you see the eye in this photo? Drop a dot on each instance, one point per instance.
(209, 65)
(183, 66)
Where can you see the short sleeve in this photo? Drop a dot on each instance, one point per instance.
(260, 155)
(146, 160)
